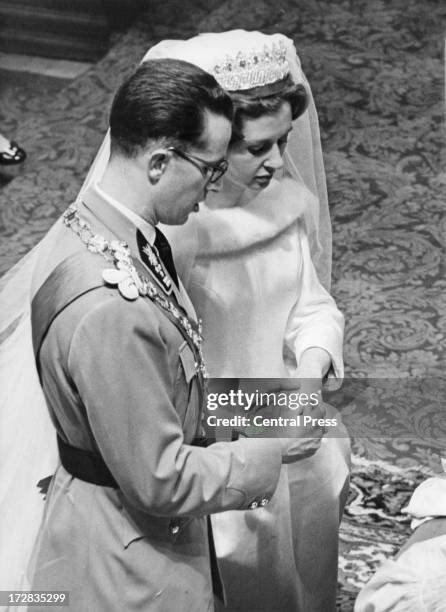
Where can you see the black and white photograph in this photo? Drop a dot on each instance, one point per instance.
(222, 306)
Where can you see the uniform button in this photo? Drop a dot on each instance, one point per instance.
(264, 501)
(174, 529)
(253, 505)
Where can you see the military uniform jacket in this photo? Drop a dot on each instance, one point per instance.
(120, 380)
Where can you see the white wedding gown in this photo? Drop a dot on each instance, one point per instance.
(249, 273)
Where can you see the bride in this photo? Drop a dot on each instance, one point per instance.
(255, 262)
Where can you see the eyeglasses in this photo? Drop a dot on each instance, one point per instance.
(211, 172)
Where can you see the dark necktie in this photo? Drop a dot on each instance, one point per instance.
(165, 252)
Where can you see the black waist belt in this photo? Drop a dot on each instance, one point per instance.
(85, 465)
(90, 467)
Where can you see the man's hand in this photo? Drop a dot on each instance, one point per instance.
(304, 440)
(291, 410)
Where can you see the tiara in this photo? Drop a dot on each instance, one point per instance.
(252, 69)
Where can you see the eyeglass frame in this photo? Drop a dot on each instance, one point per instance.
(216, 170)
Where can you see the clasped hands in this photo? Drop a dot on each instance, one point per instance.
(304, 439)
(297, 422)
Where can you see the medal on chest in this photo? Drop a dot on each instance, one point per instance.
(131, 283)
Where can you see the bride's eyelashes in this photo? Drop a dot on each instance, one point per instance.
(258, 150)
(263, 148)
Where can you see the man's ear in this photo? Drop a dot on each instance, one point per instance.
(157, 162)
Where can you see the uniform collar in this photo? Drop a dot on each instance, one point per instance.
(136, 220)
(117, 218)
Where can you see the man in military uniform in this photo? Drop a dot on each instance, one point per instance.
(118, 351)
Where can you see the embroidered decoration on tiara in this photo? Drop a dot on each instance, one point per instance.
(131, 284)
(253, 69)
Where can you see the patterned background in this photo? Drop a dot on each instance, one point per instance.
(377, 74)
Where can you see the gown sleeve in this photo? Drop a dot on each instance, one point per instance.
(315, 320)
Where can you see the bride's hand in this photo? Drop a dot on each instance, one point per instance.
(304, 440)
(300, 430)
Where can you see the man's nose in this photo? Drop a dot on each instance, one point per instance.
(274, 159)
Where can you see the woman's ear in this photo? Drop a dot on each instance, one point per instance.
(157, 162)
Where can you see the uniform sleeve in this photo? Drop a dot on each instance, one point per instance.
(315, 320)
(124, 371)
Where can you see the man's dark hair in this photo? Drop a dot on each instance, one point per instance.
(164, 100)
(252, 104)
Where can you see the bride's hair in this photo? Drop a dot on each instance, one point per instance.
(266, 100)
